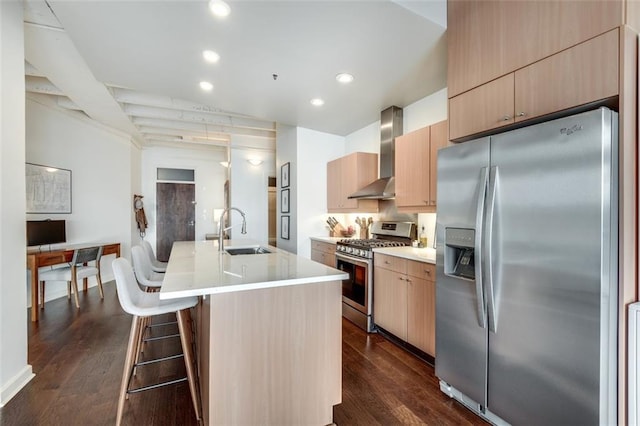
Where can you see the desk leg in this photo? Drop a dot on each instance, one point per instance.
(35, 306)
(85, 281)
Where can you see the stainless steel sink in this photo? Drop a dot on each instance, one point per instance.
(247, 250)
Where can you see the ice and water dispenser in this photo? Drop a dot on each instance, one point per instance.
(459, 253)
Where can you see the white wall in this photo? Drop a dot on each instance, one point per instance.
(209, 174)
(100, 162)
(287, 152)
(249, 193)
(14, 370)
(315, 149)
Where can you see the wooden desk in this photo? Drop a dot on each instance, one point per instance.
(37, 259)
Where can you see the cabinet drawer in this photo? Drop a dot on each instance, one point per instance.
(392, 263)
(110, 249)
(47, 259)
(323, 247)
(422, 270)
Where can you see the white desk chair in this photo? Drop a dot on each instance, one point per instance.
(142, 267)
(76, 271)
(156, 265)
(143, 305)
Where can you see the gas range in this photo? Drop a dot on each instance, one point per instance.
(356, 258)
(364, 248)
(385, 234)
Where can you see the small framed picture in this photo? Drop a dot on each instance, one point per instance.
(284, 201)
(284, 175)
(284, 227)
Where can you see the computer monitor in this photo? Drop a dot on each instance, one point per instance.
(40, 232)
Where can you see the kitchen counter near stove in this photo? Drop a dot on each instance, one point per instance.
(426, 255)
(330, 240)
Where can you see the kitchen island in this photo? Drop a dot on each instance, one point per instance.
(268, 330)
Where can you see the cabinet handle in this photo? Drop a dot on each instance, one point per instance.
(428, 272)
(522, 114)
(386, 262)
(506, 118)
(401, 279)
(408, 280)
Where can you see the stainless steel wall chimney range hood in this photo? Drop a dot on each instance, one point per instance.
(384, 188)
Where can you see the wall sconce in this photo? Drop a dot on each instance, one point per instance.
(254, 161)
(224, 163)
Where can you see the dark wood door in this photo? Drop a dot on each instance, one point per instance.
(175, 213)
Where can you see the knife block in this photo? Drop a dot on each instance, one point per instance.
(336, 231)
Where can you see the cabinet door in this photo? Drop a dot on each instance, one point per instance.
(489, 38)
(334, 186)
(585, 73)
(439, 139)
(390, 301)
(412, 169)
(484, 108)
(349, 181)
(421, 319)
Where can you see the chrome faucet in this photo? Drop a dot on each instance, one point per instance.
(222, 229)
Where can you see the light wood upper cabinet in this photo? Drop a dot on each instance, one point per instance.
(439, 139)
(488, 39)
(579, 75)
(576, 76)
(345, 176)
(412, 169)
(416, 168)
(484, 108)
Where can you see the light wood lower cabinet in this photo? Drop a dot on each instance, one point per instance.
(404, 300)
(324, 253)
(584, 73)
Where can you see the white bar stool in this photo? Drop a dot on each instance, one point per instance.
(143, 305)
(144, 273)
(156, 265)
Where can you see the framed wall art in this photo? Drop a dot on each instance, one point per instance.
(284, 201)
(48, 189)
(284, 227)
(284, 175)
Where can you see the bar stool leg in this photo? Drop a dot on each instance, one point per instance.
(186, 338)
(41, 301)
(132, 347)
(100, 286)
(74, 282)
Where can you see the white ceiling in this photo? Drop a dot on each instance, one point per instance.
(136, 65)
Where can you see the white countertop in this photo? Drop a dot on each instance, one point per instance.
(330, 240)
(427, 255)
(197, 268)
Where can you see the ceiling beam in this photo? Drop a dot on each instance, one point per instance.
(201, 128)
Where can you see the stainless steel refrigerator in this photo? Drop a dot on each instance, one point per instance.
(526, 289)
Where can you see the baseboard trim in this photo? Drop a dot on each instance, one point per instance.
(17, 382)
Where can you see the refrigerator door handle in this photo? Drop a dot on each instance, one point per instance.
(491, 200)
(482, 314)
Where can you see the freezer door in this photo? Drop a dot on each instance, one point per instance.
(461, 334)
(551, 287)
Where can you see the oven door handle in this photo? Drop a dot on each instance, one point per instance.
(357, 261)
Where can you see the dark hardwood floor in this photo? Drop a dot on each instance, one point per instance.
(78, 355)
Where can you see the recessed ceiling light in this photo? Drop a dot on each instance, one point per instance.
(210, 56)
(206, 86)
(344, 78)
(317, 102)
(219, 8)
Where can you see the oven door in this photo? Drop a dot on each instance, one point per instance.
(356, 291)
